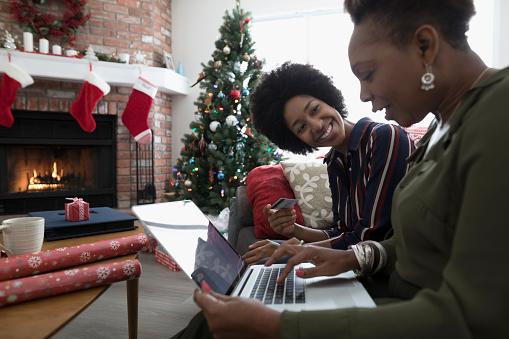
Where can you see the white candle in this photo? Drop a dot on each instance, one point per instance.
(43, 46)
(71, 52)
(57, 50)
(28, 42)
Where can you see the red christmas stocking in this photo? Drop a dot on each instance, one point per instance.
(13, 79)
(135, 116)
(93, 89)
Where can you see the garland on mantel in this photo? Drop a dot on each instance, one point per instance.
(45, 24)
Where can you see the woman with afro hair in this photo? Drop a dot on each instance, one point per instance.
(299, 109)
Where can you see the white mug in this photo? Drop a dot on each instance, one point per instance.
(22, 235)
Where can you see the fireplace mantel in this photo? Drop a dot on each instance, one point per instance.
(73, 69)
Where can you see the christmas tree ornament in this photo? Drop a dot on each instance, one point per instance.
(202, 144)
(235, 94)
(14, 78)
(7, 40)
(231, 76)
(220, 175)
(247, 20)
(220, 95)
(226, 50)
(257, 63)
(188, 183)
(92, 90)
(212, 147)
(236, 66)
(136, 112)
(214, 125)
(249, 132)
(245, 92)
(231, 120)
(201, 76)
(191, 161)
(218, 64)
(246, 57)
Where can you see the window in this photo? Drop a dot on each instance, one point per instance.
(321, 39)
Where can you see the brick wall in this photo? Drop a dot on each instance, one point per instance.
(116, 26)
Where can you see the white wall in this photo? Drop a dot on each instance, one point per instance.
(195, 29)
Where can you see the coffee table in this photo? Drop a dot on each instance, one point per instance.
(43, 318)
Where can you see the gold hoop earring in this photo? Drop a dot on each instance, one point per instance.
(428, 79)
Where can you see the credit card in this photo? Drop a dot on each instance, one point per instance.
(284, 203)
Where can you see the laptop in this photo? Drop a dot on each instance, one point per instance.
(203, 253)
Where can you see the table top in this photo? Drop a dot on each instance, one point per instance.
(44, 317)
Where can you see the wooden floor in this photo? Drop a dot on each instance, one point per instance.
(165, 307)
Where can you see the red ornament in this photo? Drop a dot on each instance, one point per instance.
(248, 20)
(249, 132)
(235, 94)
(45, 24)
(202, 144)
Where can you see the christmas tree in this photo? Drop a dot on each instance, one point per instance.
(223, 145)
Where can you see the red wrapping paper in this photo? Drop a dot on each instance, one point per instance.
(50, 260)
(166, 260)
(77, 210)
(50, 284)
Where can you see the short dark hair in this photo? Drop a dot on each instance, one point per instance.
(282, 84)
(402, 17)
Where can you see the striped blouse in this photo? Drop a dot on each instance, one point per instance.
(363, 181)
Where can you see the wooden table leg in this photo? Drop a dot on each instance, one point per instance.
(132, 307)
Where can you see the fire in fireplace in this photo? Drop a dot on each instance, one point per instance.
(53, 181)
(39, 169)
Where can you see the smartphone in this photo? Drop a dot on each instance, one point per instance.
(284, 203)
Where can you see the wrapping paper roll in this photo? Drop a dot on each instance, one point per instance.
(76, 278)
(56, 259)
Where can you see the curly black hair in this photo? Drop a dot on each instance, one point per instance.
(268, 101)
(402, 17)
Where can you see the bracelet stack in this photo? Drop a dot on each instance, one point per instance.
(371, 257)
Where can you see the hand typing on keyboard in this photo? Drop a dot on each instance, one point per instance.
(327, 261)
(263, 249)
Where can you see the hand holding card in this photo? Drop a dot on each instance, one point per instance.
(284, 203)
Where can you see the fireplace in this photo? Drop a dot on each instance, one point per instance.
(46, 157)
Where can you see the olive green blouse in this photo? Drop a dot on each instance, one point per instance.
(450, 251)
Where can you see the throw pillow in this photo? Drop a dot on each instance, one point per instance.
(266, 184)
(310, 184)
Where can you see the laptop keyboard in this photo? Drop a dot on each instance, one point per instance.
(266, 289)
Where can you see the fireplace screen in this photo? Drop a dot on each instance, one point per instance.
(42, 169)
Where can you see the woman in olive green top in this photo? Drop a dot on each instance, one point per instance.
(447, 261)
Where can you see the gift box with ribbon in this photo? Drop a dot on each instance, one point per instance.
(77, 210)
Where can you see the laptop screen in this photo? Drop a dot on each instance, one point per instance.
(194, 243)
(217, 262)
